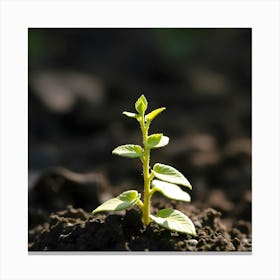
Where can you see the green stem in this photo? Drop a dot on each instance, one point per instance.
(153, 190)
(146, 175)
(147, 198)
(140, 204)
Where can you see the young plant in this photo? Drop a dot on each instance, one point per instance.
(162, 178)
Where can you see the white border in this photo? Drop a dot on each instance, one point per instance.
(17, 16)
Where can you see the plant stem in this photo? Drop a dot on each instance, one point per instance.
(147, 198)
(146, 175)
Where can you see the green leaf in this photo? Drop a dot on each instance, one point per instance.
(153, 114)
(174, 220)
(130, 115)
(153, 140)
(163, 142)
(171, 191)
(170, 174)
(129, 150)
(123, 201)
(141, 104)
(157, 141)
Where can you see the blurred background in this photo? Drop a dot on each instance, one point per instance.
(80, 80)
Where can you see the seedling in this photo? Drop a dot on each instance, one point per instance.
(162, 178)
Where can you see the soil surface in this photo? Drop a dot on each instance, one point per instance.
(74, 229)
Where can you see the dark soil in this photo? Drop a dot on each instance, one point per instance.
(76, 230)
(61, 201)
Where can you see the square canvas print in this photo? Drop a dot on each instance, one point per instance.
(139, 139)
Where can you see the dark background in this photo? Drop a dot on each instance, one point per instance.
(80, 80)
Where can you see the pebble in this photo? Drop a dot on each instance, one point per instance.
(192, 242)
(198, 224)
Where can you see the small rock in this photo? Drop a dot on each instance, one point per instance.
(198, 224)
(192, 242)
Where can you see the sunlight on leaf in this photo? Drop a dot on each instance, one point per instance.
(149, 117)
(174, 220)
(157, 141)
(170, 174)
(123, 201)
(171, 190)
(130, 115)
(129, 150)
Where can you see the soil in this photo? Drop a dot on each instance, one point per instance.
(74, 229)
